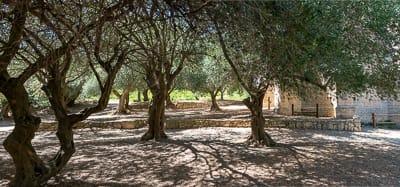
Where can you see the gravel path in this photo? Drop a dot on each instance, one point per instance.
(218, 157)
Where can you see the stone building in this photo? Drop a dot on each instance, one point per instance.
(288, 103)
(365, 104)
(345, 107)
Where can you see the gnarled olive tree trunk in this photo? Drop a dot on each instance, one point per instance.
(156, 118)
(67, 149)
(28, 166)
(214, 104)
(123, 102)
(258, 135)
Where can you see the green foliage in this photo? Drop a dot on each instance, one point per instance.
(355, 44)
(2, 99)
(187, 95)
(211, 73)
(37, 97)
(339, 44)
(182, 95)
(91, 88)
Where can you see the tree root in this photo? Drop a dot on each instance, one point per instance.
(215, 109)
(150, 135)
(121, 113)
(261, 141)
(147, 136)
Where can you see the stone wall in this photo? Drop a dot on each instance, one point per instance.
(285, 103)
(366, 104)
(394, 108)
(319, 124)
(308, 104)
(269, 99)
(325, 103)
(323, 124)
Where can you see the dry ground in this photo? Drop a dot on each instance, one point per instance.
(218, 157)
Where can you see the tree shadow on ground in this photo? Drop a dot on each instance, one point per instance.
(214, 157)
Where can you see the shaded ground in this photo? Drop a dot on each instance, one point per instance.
(217, 157)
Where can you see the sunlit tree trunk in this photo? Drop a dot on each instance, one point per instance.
(214, 104)
(123, 100)
(258, 135)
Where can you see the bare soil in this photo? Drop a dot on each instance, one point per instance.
(218, 157)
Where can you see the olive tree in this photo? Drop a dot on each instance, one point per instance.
(293, 44)
(38, 34)
(128, 78)
(211, 75)
(164, 41)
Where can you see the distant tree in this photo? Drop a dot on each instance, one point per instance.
(211, 75)
(165, 41)
(127, 80)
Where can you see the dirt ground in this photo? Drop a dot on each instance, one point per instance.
(218, 156)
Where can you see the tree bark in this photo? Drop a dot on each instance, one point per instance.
(222, 91)
(127, 99)
(123, 102)
(258, 135)
(156, 118)
(28, 166)
(145, 95)
(67, 149)
(214, 104)
(139, 98)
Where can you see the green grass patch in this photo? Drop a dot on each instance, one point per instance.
(176, 95)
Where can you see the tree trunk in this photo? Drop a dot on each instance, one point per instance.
(67, 149)
(258, 135)
(156, 118)
(127, 100)
(145, 95)
(123, 102)
(28, 166)
(214, 104)
(222, 91)
(139, 96)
